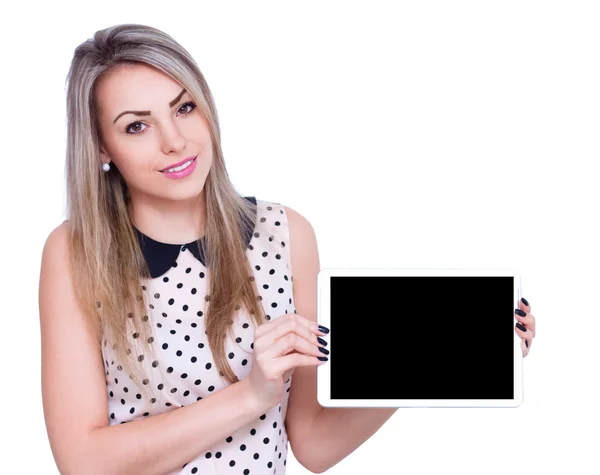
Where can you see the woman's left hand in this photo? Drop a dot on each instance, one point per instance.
(525, 326)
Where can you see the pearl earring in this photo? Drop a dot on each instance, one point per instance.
(105, 167)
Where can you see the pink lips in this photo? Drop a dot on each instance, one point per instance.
(173, 165)
(182, 173)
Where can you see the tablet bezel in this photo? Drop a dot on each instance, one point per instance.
(323, 317)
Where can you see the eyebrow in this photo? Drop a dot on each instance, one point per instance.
(171, 104)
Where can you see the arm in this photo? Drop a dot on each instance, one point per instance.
(77, 417)
(337, 432)
(319, 437)
(165, 442)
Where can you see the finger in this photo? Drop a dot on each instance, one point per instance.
(312, 324)
(291, 323)
(528, 320)
(276, 322)
(291, 342)
(524, 347)
(523, 332)
(524, 305)
(294, 360)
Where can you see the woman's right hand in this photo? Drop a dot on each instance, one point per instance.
(281, 345)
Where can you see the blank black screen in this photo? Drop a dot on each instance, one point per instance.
(423, 337)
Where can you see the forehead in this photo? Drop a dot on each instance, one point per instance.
(135, 87)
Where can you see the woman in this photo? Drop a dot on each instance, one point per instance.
(151, 363)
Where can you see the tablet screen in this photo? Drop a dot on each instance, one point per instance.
(422, 337)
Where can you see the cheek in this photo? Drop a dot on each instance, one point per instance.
(135, 154)
(136, 169)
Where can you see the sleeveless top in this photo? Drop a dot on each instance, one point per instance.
(176, 295)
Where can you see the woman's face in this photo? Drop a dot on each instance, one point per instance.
(168, 129)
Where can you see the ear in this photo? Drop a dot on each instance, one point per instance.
(104, 157)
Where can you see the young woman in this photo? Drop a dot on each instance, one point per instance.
(171, 322)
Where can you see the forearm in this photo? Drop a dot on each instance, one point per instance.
(165, 442)
(336, 432)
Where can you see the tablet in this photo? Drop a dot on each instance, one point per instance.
(420, 338)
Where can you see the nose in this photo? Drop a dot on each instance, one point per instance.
(173, 140)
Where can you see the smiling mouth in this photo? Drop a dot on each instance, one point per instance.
(179, 168)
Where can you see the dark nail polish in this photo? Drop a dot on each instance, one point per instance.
(524, 301)
(322, 358)
(320, 340)
(520, 312)
(323, 329)
(521, 327)
(526, 344)
(323, 350)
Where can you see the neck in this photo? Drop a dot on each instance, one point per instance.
(172, 222)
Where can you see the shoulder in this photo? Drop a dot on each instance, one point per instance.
(304, 254)
(287, 217)
(298, 223)
(56, 242)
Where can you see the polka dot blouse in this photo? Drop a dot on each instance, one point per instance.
(176, 294)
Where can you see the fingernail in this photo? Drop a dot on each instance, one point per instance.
(323, 329)
(520, 312)
(524, 301)
(323, 350)
(521, 327)
(320, 340)
(526, 344)
(322, 358)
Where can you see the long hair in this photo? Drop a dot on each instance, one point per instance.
(105, 256)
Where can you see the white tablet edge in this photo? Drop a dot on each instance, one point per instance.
(323, 318)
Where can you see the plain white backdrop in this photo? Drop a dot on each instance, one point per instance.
(410, 134)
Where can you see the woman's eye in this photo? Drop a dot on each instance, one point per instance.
(190, 104)
(134, 124)
(129, 129)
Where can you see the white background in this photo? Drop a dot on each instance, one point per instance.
(410, 134)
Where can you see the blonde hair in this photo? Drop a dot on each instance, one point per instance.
(105, 256)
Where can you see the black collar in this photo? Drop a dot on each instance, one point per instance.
(160, 256)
